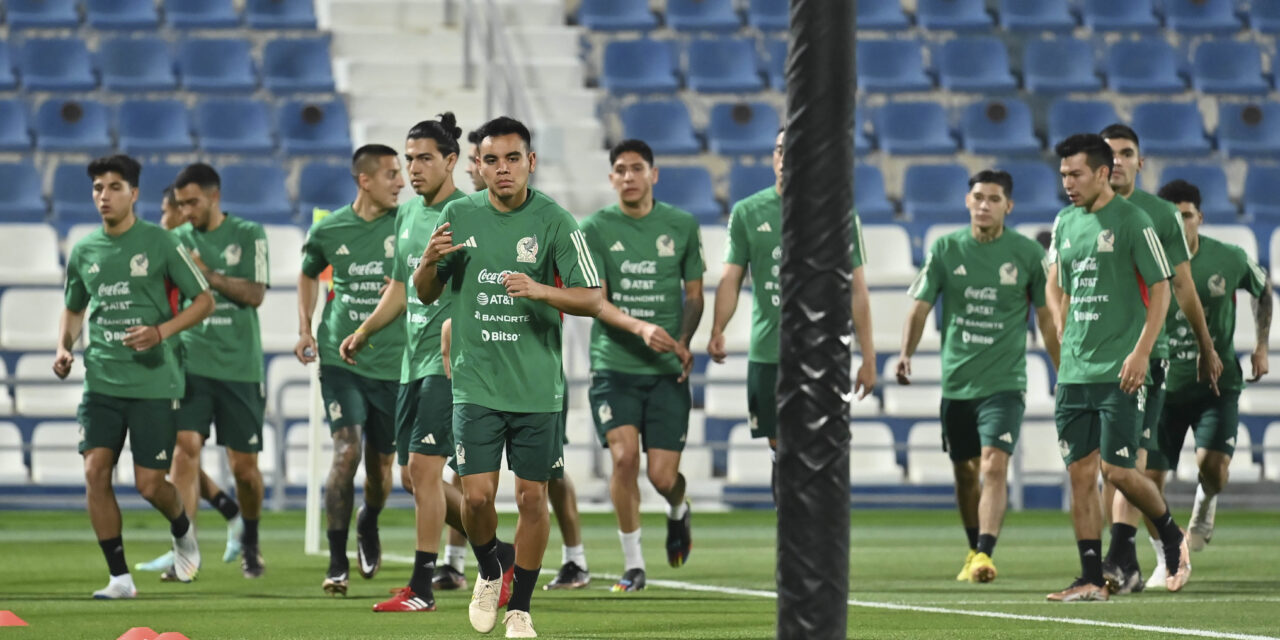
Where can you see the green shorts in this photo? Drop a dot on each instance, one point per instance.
(236, 408)
(993, 421)
(1099, 416)
(534, 441)
(353, 399)
(557, 471)
(105, 420)
(424, 418)
(1151, 440)
(762, 399)
(657, 405)
(1213, 419)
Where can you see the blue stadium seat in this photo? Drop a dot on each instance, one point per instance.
(776, 63)
(999, 127)
(1063, 65)
(611, 15)
(952, 15)
(1036, 15)
(1262, 193)
(1225, 66)
(1129, 15)
(314, 128)
(280, 14)
(934, 193)
(1249, 130)
(151, 185)
(1036, 190)
(201, 14)
(217, 65)
(73, 125)
(639, 66)
(1170, 128)
(301, 64)
(1212, 181)
(975, 64)
(20, 197)
(869, 196)
(1143, 66)
(234, 125)
(914, 128)
(862, 142)
(769, 15)
(122, 14)
(1264, 16)
(891, 66)
(1069, 117)
(8, 79)
(1202, 16)
(745, 180)
(665, 125)
(689, 188)
(15, 127)
(325, 186)
(57, 64)
(73, 195)
(159, 126)
(137, 64)
(882, 16)
(742, 128)
(42, 14)
(257, 192)
(724, 65)
(702, 15)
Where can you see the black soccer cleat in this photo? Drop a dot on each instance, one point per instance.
(251, 563)
(368, 548)
(1121, 580)
(448, 579)
(571, 576)
(679, 539)
(632, 580)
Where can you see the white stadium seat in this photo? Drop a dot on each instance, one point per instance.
(889, 310)
(937, 231)
(1245, 336)
(726, 389)
(295, 400)
(1040, 401)
(927, 463)
(55, 458)
(1259, 400)
(213, 463)
(749, 459)
(1038, 446)
(888, 251)
(914, 401)
(77, 233)
(30, 255)
(1237, 234)
(284, 252)
(872, 459)
(737, 335)
(714, 240)
(12, 469)
(925, 368)
(278, 321)
(124, 475)
(1032, 229)
(580, 428)
(29, 318)
(1271, 452)
(56, 398)
(6, 396)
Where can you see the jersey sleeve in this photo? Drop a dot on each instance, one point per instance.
(181, 269)
(1051, 257)
(928, 283)
(694, 263)
(859, 253)
(737, 250)
(1038, 267)
(572, 256)
(1064, 266)
(1146, 250)
(1254, 279)
(75, 294)
(259, 256)
(1173, 236)
(313, 258)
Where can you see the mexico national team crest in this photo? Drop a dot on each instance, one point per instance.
(1106, 241)
(666, 246)
(138, 265)
(335, 410)
(1008, 273)
(527, 249)
(605, 413)
(231, 255)
(389, 246)
(1217, 285)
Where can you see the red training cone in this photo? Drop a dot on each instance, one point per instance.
(171, 635)
(11, 619)
(139, 633)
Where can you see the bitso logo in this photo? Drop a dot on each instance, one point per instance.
(527, 249)
(138, 265)
(231, 255)
(335, 410)
(1217, 285)
(1008, 273)
(389, 246)
(1106, 241)
(666, 246)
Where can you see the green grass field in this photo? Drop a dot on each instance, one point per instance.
(50, 565)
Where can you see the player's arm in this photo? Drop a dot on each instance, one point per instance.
(1049, 332)
(573, 261)
(426, 278)
(726, 303)
(308, 294)
(860, 300)
(1056, 301)
(1262, 327)
(575, 301)
(242, 291)
(654, 336)
(690, 318)
(69, 326)
(1133, 373)
(201, 307)
(912, 330)
(1209, 365)
(446, 346)
(391, 305)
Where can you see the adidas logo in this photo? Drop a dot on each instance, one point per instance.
(343, 251)
(1090, 553)
(1066, 243)
(470, 242)
(404, 235)
(764, 227)
(617, 246)
(94, 268)
(162, 456)
(960, 271)
(1006, 437)
(253, 439)
(559, 463)
(1146, 433)
(1231, 441)
(418, 604)
(430, 439)
(1123, 452)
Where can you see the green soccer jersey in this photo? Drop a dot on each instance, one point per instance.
(228, 344)
(362, 253)
(124, 282)
(1106, 261)
(423, 322)
(506, 350)
(986, 288)
(1217, 269)
(755, 243)
(643, 263)
(1167, 222)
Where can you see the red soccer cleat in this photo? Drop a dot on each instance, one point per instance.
(405, 600)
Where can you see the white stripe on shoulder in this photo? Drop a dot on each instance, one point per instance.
(1153, 244)
(585, 263)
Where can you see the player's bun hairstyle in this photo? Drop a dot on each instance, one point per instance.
(1180, 191)
(1097, 152)
(365, 159)
(994, 176)
(1120, 131)
(444, 131)
(505, 126)
(474, 137)
(199, 174)
(633, 145)
(127, 167)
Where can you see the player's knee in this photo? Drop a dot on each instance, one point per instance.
(244, 467)
(966, 471)
(477, 499)
(188, 445)
(627, 463)
(995, 466)
(148, 486)
(531, 497)
(97, 473)
(664, 480)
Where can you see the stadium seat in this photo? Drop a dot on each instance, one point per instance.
(737, 339)
(1130, 15)
(664, 124)
(1170, 128)
(73, 196)
(1143, 66)
(702, 15)
(746, 180)
(42, 14)
(726, 388)
(891, 66)
(882, 16)
(30, 256)
(28, 317)
(999, 127)
(55, 457)
(1036, 15)
(1225, 66)
(122, 14)
(142, 64)
(862, 143)
(1271, 452)
(151, 185)
(43, 399)
(1212, 181)
(314, 128)
(888, 251)
(1038, 447)
(284, 247)
(21, 199)
(927, 463)
(257, 192)
(869, 195)
(8, 79)
(935, 193)
(1249, 130)
(744, 128)
(73, 125)
(1202, 16)
(889, 309)
(324, 186)
(952, 15)
(15, 128)
(639, 66)
(234, 125)
(714, 239)
(1039, 398)
(279, 331)
(1069, 117)
(1059, 66)
(914, 128)
(978, 64)
(286, 398)
(1264, 16)
(57, 64)
(611, 15)
(159, 126)
(1036, 190)
(768, 15)
(297, 444)
(201, 14)
(299, 64)
(872, 457)
(216, 65)
(280, 14)
(723, 65)
(750, 462)
(13, 470)
(776, 63)
(1262, 193)
(689, 188)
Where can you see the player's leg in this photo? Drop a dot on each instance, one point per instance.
(617, 409)
(535, 445)
(194, 415)
(1215, 445)
(999, 419)
(379, 459)
(230, 510)
(1079, 429)
(666, 426)
(573, 573)
(479, 436)
(239, 414)
(346, 412)
(1176, 419)
(762, 407)
(152, 428)
(1120, 566)
(103, 437)
(960, 441)
(451, 574)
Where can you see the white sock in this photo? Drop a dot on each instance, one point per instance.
(631, 549)
(676, 512)
(576, 555)
(1159, 548)
(1204, 505)
(456, 557)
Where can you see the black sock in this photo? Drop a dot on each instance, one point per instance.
(987, 544)
(1171, 540)
(368, 520)
(180, 525)
(490, 568)
(113, 550)
(522, 588)
(250, 537)
(1090, 560)
(1122, 550)
(338, 550)
(225, 505)
(424, 568)
(972, 534)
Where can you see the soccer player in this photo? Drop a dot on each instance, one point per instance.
(1218, 269)
(511, 243)
(1112, 271)
(358, 241)
(650, 256)
(473, 161)
(133, 373)
(987, 276)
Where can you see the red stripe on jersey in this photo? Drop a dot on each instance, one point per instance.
(560, 285)
(174, 295)
(1142, 287)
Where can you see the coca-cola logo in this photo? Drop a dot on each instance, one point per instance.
(367, 269)
(642, 267)
(492, 277)
(114, 289)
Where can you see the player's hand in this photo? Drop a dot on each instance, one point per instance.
(520, 285)
(386, 283)
(142, 337)
(305, 350)
(686, 361)
(351, 345)
(439, 246)
(715, 348)
(62, 363)
(904, 370)
(195, 258)
(1133, 373)
(656, 338)
(1259, 362)
(865, 380)
(1209, 369)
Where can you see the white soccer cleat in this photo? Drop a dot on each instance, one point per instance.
(235, 530)
(162, 563)
(1156, 581)
(483, 610)
(519, 624)
(1202, 514)
(186, 556)
(119, 588)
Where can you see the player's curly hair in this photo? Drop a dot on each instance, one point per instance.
(444, 131)
(1180, 191)
(127, 167)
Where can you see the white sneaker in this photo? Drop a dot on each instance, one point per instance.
(162, 563)
(1156, 581)
(235, 530)
(519, 624)
(1201, 527)
(120, 587)
(186, 556)
(483, 610)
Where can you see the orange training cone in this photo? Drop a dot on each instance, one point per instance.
(139, 633)
(10, 619)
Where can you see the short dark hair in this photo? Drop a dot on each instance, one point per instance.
(505, 126)
(1119, 131)
(444, 131)
(199, 174)
(364, 160)
(633, 145)
(168, 197)
(127, 167)
(994, 176)
(474, 137)
(1097, 152)
(1180, 191)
